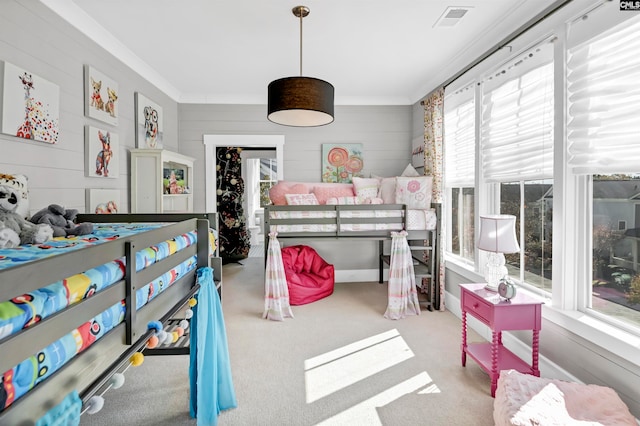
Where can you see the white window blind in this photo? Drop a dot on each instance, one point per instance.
(517, 128)
(603, 131)
(459, 140)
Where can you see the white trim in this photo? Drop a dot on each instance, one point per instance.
(78, 18)
(211, 142)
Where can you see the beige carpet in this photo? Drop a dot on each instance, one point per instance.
(338, 362)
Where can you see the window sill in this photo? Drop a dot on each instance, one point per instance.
(606, 336)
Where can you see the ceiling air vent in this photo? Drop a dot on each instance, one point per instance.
(451, 16)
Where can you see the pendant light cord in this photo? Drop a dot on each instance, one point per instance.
(301, 44)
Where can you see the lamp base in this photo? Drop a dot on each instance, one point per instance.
(494, 270)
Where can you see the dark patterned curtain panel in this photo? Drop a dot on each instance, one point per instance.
(233, 234)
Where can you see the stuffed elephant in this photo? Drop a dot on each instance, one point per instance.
(62, 221)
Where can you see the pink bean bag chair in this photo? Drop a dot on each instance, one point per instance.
(309, 277)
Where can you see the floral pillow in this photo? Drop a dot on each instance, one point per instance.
(415, 192)
(366, 187)
(301, 199)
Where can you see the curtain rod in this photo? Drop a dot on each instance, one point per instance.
(517, 33)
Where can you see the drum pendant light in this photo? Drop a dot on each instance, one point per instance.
(300, 101)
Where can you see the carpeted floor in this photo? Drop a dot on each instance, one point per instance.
(338, 362)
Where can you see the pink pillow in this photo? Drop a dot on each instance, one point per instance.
(301, 199)
(387, 190)
(415, 192)
(324, 192)
(278, 191)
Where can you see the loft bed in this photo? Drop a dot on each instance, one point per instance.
(365, 222)
(79, 331)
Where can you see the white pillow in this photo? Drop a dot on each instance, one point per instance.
(301, 199)
(415, 192)
(410, 171)
(366, 187)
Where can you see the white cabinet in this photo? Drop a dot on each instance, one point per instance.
(161, 181)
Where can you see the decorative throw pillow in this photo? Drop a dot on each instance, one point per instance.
(301, 199)
(410, 171)
(324, 192)
(366, 187)
(20, 184)
(343, 201)
(387, 190)
(415, 192)
(277, 192)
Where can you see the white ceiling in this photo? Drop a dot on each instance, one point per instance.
(375, 52)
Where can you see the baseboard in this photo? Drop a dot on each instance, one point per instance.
(359, 275)
(547, 368)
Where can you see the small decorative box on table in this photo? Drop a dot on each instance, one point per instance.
(520, 313)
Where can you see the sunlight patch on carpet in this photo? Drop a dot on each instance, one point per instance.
(365, 413)
(335, 370)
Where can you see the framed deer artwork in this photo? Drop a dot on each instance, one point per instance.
(30, 104)
(103, 154)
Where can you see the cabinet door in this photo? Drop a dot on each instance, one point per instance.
(146, 186)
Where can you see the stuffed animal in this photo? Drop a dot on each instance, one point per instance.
(14, 229)
(62, 221)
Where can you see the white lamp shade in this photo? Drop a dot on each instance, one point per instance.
(498, 234)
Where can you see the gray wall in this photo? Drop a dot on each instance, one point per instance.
(383, 131)
(36, 39)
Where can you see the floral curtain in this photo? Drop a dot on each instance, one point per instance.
(433, 166)
(233, 233)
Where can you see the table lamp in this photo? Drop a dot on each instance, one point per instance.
(497, 236)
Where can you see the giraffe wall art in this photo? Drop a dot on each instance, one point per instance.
(30, 105)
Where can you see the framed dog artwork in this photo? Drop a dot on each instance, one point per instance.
(103, 155)
(101, 96)
(149, 130)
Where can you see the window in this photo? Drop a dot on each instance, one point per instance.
(603, 147)
(459, 124)
(517, 154)
(268, 178)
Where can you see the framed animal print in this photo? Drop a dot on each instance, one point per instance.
(30, 107)
(102, 201)
(103, 154)
(101, 96)
(149, 130)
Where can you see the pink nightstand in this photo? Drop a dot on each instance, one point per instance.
(520, 313)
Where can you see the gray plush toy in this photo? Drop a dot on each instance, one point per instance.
(14, 229)
(62, 221)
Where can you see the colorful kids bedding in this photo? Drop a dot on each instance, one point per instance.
(28, 309)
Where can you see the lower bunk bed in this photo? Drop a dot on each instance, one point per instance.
(306, 223)
(73, 310)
